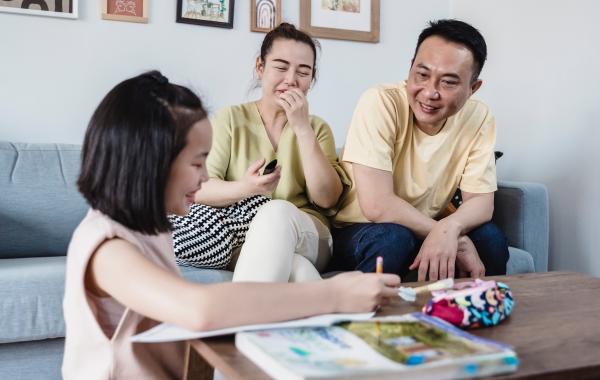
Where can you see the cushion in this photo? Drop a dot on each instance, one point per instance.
(31, 295)
(520, 261)
(205, 276)
(40, 205)
(32, 290)
(32, 360)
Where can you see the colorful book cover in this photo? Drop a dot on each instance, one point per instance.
(418, 345)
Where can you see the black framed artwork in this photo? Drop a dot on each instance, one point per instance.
(217, 13)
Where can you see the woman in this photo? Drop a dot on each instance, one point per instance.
(288, 239)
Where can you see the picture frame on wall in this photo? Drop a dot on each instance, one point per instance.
(264, 15)
(217, 13)
(354, 20)
(125, 10)
(49, 8)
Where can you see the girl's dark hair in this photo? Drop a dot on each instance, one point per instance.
(289, 32)
(461, 33)
(131, 141)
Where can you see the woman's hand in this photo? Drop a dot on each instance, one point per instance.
(295, 105)
(355, 292)
(257, 184)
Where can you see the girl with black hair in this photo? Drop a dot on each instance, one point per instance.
(144, 155)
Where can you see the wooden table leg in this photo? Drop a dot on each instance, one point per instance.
(196, 368)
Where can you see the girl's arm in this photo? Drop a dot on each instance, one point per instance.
(119, 270)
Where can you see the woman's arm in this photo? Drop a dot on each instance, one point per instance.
(323, 183)
(219, 193)
(118, 269)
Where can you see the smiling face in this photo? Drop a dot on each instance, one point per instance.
(188, 170)
(289, 64)
(440, 82)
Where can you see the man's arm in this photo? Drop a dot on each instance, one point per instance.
(379, 203)
(475, 210)
(437, 256)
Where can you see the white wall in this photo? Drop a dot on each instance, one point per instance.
(53, 72)
(542, 83)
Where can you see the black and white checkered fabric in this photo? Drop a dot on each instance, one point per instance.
(206, 237)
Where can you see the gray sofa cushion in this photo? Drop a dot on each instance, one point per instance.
(31, 295)
(205, 276)
(39, 203)
(521, 212)
(39, 359)
(519, 262)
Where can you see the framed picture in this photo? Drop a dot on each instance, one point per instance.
(264, 15)
(356, 20)
(206, 12)
(125, 10)
(52, 8)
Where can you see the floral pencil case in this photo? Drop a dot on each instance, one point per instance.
(472, 304)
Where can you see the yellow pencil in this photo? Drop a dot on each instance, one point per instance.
(378, 269)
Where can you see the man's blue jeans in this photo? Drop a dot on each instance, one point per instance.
(357, 246)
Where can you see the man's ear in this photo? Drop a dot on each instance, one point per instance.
(259, 67)
(476, 85)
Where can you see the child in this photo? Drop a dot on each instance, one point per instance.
(144, 156)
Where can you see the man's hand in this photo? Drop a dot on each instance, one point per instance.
(467, 259)
(437, 255)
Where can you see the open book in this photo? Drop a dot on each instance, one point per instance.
(169, 333)
(414, 346)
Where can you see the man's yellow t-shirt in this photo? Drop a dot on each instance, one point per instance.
(240, 139)
(426, 170)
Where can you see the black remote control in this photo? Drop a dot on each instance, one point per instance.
(270, 167)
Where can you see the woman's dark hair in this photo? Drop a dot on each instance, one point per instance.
(289, 32)
(461, 33)
(134, 136)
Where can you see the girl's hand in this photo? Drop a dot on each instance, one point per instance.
(356, 292)
(257, 184)
(295, 105)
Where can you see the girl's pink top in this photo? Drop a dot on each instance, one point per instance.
(98, 329)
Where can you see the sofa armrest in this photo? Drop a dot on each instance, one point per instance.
(521, 212)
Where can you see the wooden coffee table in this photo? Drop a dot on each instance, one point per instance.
(554, 328)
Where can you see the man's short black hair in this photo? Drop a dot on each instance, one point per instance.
(461, 33)
(131, 141)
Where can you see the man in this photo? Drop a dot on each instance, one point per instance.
(409, 147)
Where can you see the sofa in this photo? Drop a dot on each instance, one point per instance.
(40, 207)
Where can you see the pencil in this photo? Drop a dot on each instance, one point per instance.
(378, 269)
(379, 265)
